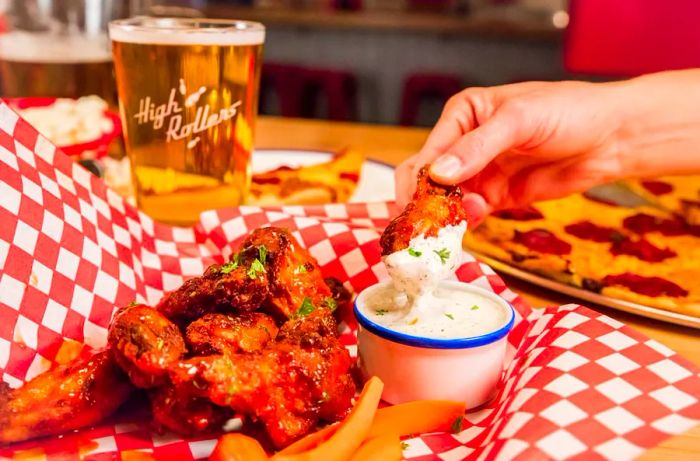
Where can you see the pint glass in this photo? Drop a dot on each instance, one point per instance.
(188, 94)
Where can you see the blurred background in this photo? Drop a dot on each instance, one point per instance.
(373, 61)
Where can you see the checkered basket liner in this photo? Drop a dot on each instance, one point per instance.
(577, 385)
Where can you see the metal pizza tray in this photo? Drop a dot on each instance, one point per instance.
(597, 298)
(621, 195)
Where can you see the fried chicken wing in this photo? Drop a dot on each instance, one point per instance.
(341, 295)
(145, 344)
(218, 333)
(293, 273)
(288, 386)
(433, 207)
(230, 287)
(69, 396)
(175, 408)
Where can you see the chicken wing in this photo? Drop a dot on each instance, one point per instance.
(69, 396)
(342, 297)
(145, 344)
(175, 408)
(294, 275)
(218, 333)
(433, 207)
(288, 386)
(230, 287)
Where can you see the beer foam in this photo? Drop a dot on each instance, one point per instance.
(171, 31)
(20, 46)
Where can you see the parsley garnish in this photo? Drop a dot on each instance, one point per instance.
(228, 267)
(305, 309)
(444, 254)
(414, 253)
(255, 268)
(404, 446)
(474, 307)
(330, 303)
(457, 424)
(231, 390)
(231, 265)
(449, 316)
(262, 253)
(301, 269)
(132, 303)
(381, 311)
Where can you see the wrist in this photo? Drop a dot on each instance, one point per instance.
(659, 124)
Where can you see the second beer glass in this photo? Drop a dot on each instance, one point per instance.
(188, 95)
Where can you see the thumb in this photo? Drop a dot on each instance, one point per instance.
(476, 149)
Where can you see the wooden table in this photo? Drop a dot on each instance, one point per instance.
(393, 144)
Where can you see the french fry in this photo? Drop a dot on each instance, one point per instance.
(238, 447)
(383, 448)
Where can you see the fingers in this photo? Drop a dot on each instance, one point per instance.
(405, 181)
(476, 208)
(459, 116)
(472, 152)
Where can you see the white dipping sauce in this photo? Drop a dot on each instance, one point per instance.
(418, 304)
(417, 269)
(449, 313)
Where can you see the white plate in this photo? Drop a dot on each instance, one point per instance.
(376, 178)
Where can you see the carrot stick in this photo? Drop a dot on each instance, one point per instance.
(416, 417)
(310, 441)
(350, 433)
(383, 448)
(238, 447)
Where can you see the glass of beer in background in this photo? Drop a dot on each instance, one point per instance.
(57, 48)
(188, 96)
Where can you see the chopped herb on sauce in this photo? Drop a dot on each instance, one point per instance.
(449, 316)
(444, 254)
(255, 268)
(457, 424)
(404, 446)
(301, 269)
(305, 309)
(262, 253)
(381, 311)
(475, 307)
(228, 267)
(414, 253)
(330, 303)
(132, 303)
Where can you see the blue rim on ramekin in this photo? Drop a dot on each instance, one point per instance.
(436, 343)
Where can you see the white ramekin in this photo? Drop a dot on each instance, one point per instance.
(414, 368)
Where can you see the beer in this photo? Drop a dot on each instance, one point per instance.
(43, 64)
(188, 94)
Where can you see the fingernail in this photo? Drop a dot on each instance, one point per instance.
(446, 166)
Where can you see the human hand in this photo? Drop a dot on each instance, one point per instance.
(514, 144)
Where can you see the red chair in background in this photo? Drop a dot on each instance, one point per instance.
(337, 87)
(302, 91)
(421, 86)
(632, 37)
(286, 83)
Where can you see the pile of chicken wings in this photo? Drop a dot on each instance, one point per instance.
(254, 337)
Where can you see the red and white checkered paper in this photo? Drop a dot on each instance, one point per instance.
(578, 385)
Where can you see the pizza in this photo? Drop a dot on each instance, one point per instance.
(645, 255)
(679, 195)
(328, 182)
